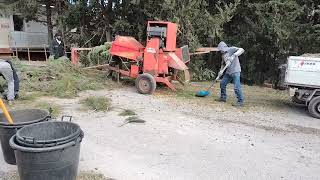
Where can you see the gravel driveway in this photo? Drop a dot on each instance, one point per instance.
(184, 141)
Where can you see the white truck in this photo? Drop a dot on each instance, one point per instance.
(303, 79)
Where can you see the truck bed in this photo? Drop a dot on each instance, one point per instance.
(303, 72)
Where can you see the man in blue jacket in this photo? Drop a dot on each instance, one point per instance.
(230, 58)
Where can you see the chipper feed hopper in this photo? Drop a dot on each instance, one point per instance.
(160, 61)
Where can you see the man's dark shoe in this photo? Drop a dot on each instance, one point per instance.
(221, 100)
(237, 104)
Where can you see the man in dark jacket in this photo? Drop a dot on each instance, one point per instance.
(57, 47)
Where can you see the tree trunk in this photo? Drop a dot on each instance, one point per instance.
(61, 26)
(49, 23)
(107, 15)
(108, 35)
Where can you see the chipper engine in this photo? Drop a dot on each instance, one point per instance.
(160, 61)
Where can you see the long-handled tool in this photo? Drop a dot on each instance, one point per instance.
(207, 92)
(5, 112)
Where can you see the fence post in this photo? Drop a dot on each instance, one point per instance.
(45, 51)
(29, 54)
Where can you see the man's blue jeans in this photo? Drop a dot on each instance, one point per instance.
(227, 78)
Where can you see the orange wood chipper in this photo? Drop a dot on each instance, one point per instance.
(159, 62)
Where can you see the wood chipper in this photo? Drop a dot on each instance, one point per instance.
(160, 61)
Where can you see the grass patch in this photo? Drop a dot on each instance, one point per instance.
(59, 79)
(256, 98)
(134, 119)
(29, 96)
(97, 103)
(91, 176)
(186, 93)
(54, 109)
(127, 112)
(30, 103)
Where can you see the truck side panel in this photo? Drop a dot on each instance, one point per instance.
(303, 71)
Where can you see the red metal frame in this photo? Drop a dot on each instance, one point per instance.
(127, 47)
(166, 81)
(151, 57)
(154, 59)
(172, 28)
(75, 55)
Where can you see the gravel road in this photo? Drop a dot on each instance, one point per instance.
(184, 141)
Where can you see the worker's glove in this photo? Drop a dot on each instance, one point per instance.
(220, 73)
(228, 62)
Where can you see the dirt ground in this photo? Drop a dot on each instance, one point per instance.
(183, 139)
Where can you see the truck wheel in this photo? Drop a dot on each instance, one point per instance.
(314, 107)
(146, 84)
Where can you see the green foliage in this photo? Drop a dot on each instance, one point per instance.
(97, 103)
(59, 79)
(200, 71)
(269, 31)
(98, 55)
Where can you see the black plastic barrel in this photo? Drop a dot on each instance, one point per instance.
(59, 162)
(21, 118)
(52, 134)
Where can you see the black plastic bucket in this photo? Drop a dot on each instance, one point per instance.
(48, 134)
(49, 163)
(21, 118)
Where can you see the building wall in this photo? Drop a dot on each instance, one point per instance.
(33, 35)
(35, 27)
(5, 28)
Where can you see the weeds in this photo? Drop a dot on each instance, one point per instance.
(91, 176)
(28, 96)
(256, 98)
(54, 109)
(97, 103)
(127, 112)
(133, 119)
(59, 79)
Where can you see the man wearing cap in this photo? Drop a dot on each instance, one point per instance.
(57, 47)
(230, 58)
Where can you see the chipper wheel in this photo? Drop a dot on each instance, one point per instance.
(314, 107)
(146, 84)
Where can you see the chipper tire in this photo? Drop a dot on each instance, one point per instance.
(146, 84)
(314, 107)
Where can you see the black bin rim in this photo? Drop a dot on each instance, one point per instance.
(46, 144)
(46, 115)
(34, 142)
(15, 146)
